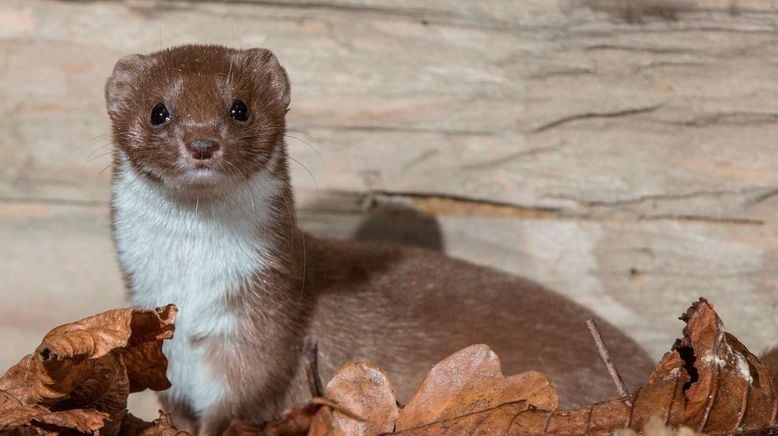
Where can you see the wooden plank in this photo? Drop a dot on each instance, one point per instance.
(582, 111)
(63, 254)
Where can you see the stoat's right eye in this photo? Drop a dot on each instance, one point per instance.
(159, 115)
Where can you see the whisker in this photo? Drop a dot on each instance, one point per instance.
(305, 168)
(100, 173)
(91, 141)
(98, 156)
(98, 151)
(251, 187)
(293, 233)
(314, 149)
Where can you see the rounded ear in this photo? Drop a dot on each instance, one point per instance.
(269, 72)
(123, 82)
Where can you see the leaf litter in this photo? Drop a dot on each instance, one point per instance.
(78, 379)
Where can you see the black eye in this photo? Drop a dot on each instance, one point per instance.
(159, 115)
(239, 111)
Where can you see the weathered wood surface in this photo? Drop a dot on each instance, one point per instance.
(621, 152)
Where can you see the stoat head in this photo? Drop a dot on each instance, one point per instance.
(197, 118)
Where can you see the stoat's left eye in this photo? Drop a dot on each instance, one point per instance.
(239, 111)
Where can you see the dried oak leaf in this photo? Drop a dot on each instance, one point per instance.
(364, 389)
(469, 385)
(79, 377)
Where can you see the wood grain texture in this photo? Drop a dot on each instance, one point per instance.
(620, 152)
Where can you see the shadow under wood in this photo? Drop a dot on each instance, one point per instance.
(400, 225)
(637, 11)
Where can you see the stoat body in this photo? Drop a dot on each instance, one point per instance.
(203, 217)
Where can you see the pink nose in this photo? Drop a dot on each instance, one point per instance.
(202, 149)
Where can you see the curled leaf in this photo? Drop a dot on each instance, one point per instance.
(709, 381)
(80, 375)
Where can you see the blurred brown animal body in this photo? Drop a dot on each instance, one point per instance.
(203, 218)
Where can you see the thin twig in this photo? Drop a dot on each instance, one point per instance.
(606, 359)
(311, 353)
(336, 407)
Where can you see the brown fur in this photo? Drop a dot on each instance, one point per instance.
(402, 307)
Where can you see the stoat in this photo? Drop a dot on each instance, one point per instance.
(203, 217)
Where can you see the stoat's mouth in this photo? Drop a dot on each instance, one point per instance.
(202, 176)
(205, 173)
(203, 170)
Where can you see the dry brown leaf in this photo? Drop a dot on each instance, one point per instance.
(146, 365)
(34, 419)
(496, 420)
(82, 420)
(471, 381)
(709, 382)
(79, 377)
(242, 428)
(365, 390)
(161, 426)
(313, 418)
(324, 423)
(295, 421)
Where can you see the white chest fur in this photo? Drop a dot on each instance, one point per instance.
(192, 254)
